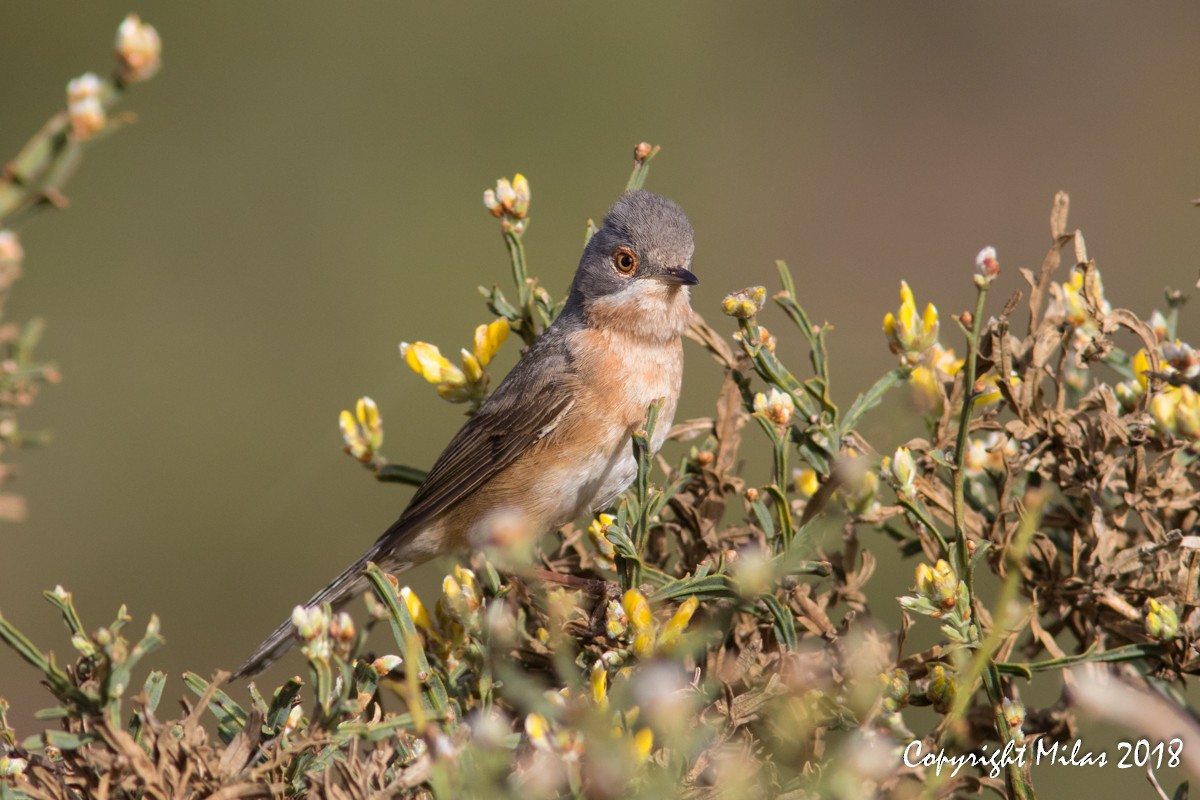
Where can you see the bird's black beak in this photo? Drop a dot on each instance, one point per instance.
(678, 276)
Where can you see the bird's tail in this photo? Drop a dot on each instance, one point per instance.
(343, 588)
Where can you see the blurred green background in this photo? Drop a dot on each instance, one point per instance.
(302, 191)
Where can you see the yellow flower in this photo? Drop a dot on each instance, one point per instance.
(416, 609)
(674, 629)
(1176, 409)
(536, 729)
(744, 303)
(488, 339)
(1074, 307)
(365, 436)
(937, 365)
(521, 196)
(943, 361)
(989, 393)
(938, 584)
(1187, 413)
(599, 683)
(643, 743)
(605, 551)
(471, 367)
(368, 418)
(356, 443)
(642, 622)
(807, 481)
(1141, 365)
(908, 334)
(470, 586)
(428, 362)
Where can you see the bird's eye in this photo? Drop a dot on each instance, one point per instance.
(624, 260)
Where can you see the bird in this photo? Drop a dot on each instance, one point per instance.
(552, 443)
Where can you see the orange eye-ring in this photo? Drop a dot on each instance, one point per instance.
(624, 260)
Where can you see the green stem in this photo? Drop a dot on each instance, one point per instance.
(923, 517)
(985, 668)
(964, 425)
(516, 255)
(641, 526)
(787, 529)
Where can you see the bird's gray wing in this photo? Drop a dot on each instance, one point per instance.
(523, 409)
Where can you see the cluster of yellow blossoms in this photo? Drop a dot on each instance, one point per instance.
(914, 337)
(468, 384)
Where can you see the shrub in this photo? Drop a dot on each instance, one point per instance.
(711, 638)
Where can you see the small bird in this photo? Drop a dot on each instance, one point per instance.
(553, 442)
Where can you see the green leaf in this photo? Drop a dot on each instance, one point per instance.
(281, 706)
(785, 625)
(231, 717)
(764, 518)
(405, 630)
(60, 739)
(60, 684)
(65, 605)
(719, 585)
(872, 397)
(57, 712)
(1129, 652)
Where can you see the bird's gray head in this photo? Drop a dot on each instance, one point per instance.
(644, 248)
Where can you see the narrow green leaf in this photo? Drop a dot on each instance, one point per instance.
(785, 625)
(720, 585)
(872, 397)
(231, 717)
(63, 602)
(281, 706)
(1129, 652)
(405, 630)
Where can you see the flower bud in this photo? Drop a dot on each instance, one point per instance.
(616, 621)
(745, 303)
(987, 264)
(85, 110)
(904, 470)
(139, 50)
(386, 665)
(776, 406)
(941, 689)
(1162, 622)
